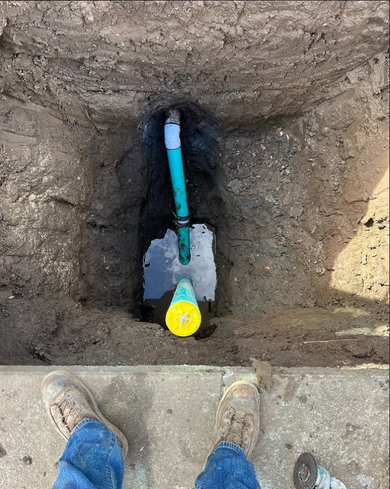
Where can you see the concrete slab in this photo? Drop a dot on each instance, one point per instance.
(168, 415)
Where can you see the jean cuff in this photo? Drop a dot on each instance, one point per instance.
(231, 446)
(85, 422)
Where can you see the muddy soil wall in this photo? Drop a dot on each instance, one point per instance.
(243, 60)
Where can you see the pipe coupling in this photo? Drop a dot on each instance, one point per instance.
(182, 222)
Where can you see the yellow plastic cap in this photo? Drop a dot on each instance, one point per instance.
(183, 318)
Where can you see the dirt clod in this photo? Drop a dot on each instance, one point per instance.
(27, 460)
(3, 451)
(263, 372)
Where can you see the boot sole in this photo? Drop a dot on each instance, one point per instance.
(121, 437)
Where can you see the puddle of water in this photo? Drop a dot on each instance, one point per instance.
(162, 269)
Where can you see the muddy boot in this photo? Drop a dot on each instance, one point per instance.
(68, 401)
(238, 419)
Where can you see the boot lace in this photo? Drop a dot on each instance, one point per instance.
(69, 414)
(236, 429)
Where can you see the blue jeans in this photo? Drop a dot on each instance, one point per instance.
(93, 460)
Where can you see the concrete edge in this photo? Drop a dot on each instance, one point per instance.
(228, 371)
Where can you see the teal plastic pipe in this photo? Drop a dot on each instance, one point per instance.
(175, 159)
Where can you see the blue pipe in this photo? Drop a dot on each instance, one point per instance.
(175, 160)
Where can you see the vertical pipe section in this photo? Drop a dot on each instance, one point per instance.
(173, 146)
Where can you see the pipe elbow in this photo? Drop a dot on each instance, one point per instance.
(172, 135)
(172, 130)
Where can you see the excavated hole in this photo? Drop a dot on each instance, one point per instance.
(301, 271)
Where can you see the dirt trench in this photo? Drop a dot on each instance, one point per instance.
(285, 144)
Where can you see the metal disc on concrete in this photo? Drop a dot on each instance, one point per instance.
(305, 472)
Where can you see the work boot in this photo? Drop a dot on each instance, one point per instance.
(68, 401)
(238, 418)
